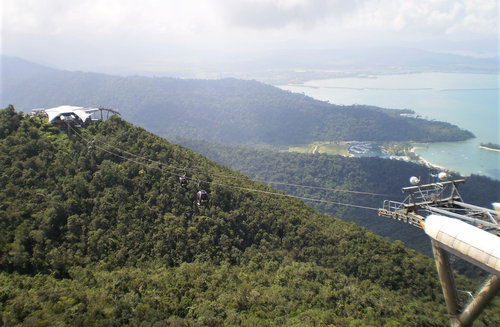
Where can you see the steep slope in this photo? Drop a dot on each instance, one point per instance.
(227, 110)
(383, 177)
(106, 235)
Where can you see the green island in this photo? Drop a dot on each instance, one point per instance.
(107, 235)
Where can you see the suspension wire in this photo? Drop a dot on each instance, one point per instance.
(247, 188)
(325, 188)
(224, 184)
(293, 196)
(159, 162)
(192, 170)
(222, 175)
(160, 168)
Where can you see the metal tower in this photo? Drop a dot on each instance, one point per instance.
(467, 231)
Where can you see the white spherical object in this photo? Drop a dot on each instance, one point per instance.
(442, 176)
(414, 180)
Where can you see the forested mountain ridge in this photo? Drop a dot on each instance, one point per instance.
(228, 110)
(95, 235)
(376, 175)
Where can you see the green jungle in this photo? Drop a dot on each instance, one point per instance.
(97, 230)
(289, 172)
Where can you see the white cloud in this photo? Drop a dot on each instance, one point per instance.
(154, 27)
(193, 17)
(263, 15)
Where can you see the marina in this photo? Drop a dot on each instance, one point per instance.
(469, 101)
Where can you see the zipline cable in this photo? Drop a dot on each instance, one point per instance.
(325, 188)
(247, 188)
(192, 170)
(295, 196)
(228, 185)
(155, 161)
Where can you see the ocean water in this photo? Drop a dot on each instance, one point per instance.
(470, 101)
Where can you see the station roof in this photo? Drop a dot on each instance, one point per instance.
(81, 112)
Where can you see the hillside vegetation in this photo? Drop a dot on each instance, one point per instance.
(98, 236)
(228, 110)
(383, 177)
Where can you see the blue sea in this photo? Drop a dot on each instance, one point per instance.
(470, 101)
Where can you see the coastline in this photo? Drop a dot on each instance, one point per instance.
(489, 149)
(430, 164)
(459, 107)
(426, 162)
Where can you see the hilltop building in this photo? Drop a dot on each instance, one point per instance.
(66, 116)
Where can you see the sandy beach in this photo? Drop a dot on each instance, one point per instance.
(431, 165)
(426, 162)
(490, 149)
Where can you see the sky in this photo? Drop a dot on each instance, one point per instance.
(99, 34)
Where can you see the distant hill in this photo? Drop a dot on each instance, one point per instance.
(229, 111)
(295, 66)
(284, 66)
(97, 230)
(381, 59)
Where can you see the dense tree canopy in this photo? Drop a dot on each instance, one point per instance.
(383, 177)
(102, 232)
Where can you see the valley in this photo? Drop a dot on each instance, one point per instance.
(100, 230)
(249, 163)
(110, 236)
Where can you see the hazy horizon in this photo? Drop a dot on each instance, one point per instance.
(165, 36)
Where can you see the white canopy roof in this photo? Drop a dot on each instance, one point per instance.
(82, 112)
